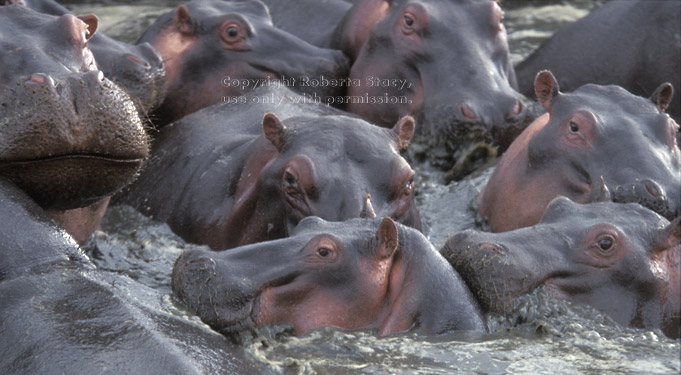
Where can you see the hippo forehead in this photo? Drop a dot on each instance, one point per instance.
(357, 234)
(611, 104)
(209, 12)
(624, 215)
(337, 138)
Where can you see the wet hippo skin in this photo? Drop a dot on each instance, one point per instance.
(361, 273)
(633, 44)
(596, 141)
(138, 69)
(70, 137)
(446, 63)
(61, 315)
(230, 175)
(209, 44)
(623, 259)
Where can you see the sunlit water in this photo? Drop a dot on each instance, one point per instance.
(542, 335)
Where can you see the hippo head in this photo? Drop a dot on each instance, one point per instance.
(444, 62)
(362, 273)
(623, 259)
(328, 168)
(215, 50)
(604, 133)
(68, 136)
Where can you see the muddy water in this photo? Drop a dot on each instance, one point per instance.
(541, 336)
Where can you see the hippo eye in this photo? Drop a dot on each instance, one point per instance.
(409, 186)
(323, 252)
(232, 32)
(606, 242)
(573, 127)
(408, 21)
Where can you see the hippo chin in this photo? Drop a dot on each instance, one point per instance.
(623, 259)
(231, 175)
(217, 50)
(361, 273)
(70, 136)
(598, 143)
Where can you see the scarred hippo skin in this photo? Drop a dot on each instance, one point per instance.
(138, 69)
(68, 136)
(361, 273)
(227, 175)
(623, 259)
(633, 44)
(596, 143)
(215, 50)
(60, 315)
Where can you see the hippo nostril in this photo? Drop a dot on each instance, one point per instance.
(517, 108)
(491, 246)
(41, 78)
(467, 111)
(137, 60)
(653, 188)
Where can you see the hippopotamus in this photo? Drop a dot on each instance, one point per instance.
(70, 137)
(231, 175)
(61, 315)
(444, 62)
(138, 69)
(216, 50)
(633, 44)
(360, 273)
(596, 140)
(622, 259)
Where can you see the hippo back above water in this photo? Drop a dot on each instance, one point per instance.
(622, 259)
(230, 175)
(596, 143)
(361, 273)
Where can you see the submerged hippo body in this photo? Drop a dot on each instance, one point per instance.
(361, 273)
(60, 315)
(596, 143)
(444, 62)
(69, 137)
(228, 176)
(623, 259)
(633, 44)
(138, 69)
(217, 50)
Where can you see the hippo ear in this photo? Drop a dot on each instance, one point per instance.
(92, 22)
(669, 237)
(403, 131)
(183, 21)
(367, 209)
(387, 238)
(546, 88)
(662, 96)
(274, 130)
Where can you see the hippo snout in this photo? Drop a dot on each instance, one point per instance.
(649, 194)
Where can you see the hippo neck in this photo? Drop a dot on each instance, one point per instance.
(30, 241)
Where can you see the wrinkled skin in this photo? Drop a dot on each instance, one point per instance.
(60, 315)
(596, 143)
(207, 45)
(69, 136)
(137, 69)
(361, 273)
(622, 259)
(228, 176)
(453, 55)
(633, 44)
